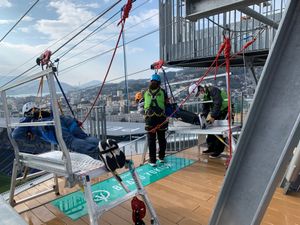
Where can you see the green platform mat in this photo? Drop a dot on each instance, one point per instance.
(74, 205)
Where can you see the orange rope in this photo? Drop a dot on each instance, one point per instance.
(40, 90)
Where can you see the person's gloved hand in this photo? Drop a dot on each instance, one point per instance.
(210, 119)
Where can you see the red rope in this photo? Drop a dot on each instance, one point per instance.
(126, 11)
(184, 100)
(217, 58)
(227, 61)
(202, 78)
(248, 44)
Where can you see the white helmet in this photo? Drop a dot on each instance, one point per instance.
(27, 107)
(193, 89)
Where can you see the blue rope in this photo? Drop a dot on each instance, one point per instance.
(62, 91)
(167, 83)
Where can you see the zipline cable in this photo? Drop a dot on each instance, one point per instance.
(113, 36)
(105, 52)
(138, 38)
(126, 10)
(87, 36)
(83, 29)
(19, 20)
(34, 57)
(88, 25)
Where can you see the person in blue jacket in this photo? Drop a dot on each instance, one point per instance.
(75, 138)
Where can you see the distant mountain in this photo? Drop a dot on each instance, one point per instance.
(90, 84)
(133, 85)
(32, 87)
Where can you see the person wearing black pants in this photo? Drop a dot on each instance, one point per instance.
(215, 146)
(155, 100)
(216, 110)
(160, 134)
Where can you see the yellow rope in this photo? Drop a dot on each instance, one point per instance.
(40, 90)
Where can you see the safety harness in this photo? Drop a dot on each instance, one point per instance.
(154, 108)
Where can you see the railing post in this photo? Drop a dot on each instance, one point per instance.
(94, 122)
(8, 127)
(58, 130)
(97, 122)
(91, 123)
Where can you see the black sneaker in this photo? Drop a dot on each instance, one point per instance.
(111, 155)
(208, 152)
(215, 155)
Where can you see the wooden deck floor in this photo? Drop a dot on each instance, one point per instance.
(186, 197)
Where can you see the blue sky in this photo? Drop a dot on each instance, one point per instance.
(50, 20)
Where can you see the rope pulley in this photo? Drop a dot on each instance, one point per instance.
(126, 10)
(157, 65)
(138, 211)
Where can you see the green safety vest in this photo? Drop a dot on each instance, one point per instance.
(224, 99)
(150, 97)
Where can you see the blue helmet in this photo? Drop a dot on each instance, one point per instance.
(155, 77)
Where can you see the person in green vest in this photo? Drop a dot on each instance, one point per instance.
(215, 110)
(155, 100)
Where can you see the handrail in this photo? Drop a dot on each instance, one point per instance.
(26, 79)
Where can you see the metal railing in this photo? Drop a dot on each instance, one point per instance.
(181, 39)
(240, 107)
(175, 142)
(95, 124)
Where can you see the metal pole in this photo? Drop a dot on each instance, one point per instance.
(57, 127)
(253, 74)
(228, 93)
(260, 17)
(97, 122)
(242, 110)
(91, 124)
(103, 119)
(8, 123)
(102, 123)
(125, 74)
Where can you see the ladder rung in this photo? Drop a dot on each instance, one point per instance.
(33, 124)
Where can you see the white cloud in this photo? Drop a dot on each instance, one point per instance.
(70, 16)
(134, 50)
(22, 48)
(24, 29)
(5, 3)
(4, 22)
(13, 55)
(91, 5)
(66, 15)
(27, 18)
(151, 18)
